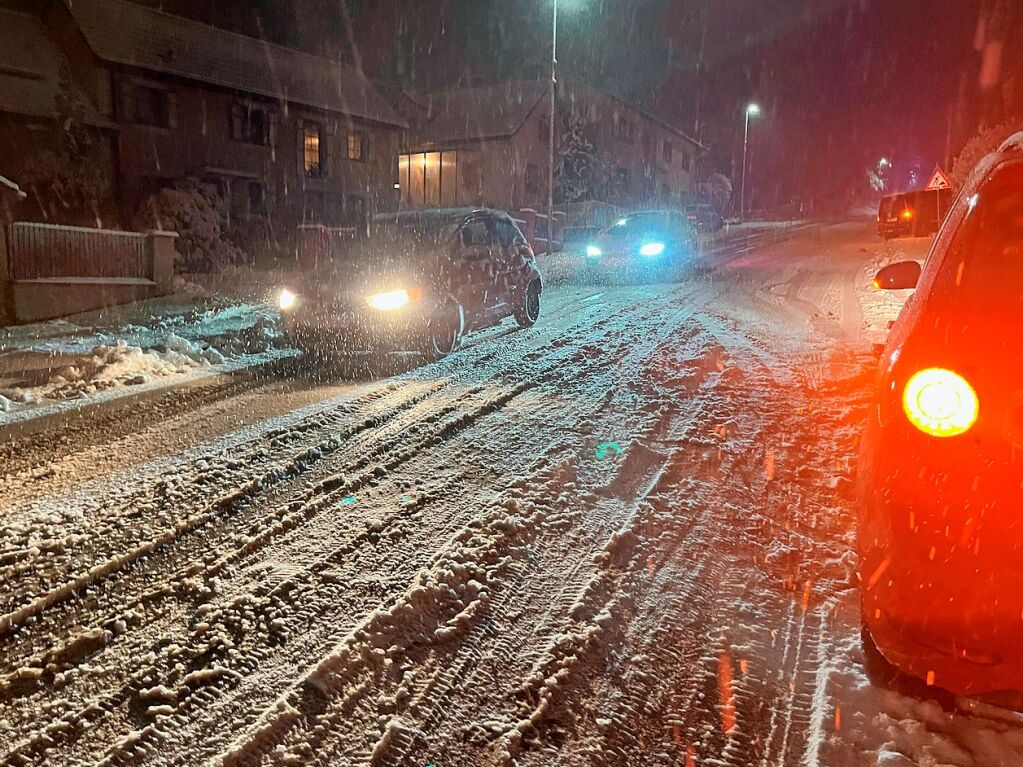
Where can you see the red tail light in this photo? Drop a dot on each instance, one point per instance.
(940, 402)
(907, 215)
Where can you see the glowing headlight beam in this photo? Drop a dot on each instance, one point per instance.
(391, 300)
(652, 249)
(593, 251)
(286, 299)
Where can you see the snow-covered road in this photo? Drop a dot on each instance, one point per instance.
(619, 538)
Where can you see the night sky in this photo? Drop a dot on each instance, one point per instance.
(842, 82)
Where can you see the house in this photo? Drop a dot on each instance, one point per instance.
(489, 146)
(54, 143)
(285, 137)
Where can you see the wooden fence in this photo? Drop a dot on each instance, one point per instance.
(40, 251)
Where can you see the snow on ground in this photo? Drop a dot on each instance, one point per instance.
(63, 363)
(452, 567)
(879, 307)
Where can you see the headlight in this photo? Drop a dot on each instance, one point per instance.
(940, 403)
(652, 249)
(593, 251)
(392, 299)
(286, 299)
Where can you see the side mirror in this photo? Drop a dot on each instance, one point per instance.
(898, 276)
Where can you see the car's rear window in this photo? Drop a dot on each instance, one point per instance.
(984, 265)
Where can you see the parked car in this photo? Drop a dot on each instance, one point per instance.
(940, 533)
(418, 282)
(912, 214)
(650, 243)
(705, 217)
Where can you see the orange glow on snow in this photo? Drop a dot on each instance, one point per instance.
(725, 689)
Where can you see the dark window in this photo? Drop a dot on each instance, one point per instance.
(668, 150)
(623, 177)
(149, 104)
(312, 149)
(665, 191)
(250, 124)
(257, 198)
(475, 233)
(623, 129)
(545, 128)
(532, 179)
(358, 150)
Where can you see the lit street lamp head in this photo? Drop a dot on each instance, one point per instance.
(753, 110)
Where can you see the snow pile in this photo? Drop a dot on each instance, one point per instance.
(145, 344)
(118, 364)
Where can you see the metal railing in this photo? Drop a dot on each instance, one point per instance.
(40, 251)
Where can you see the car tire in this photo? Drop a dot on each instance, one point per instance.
(527, 309)
(445, 330)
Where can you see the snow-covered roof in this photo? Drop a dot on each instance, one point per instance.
(30, 71)
(474, 114)
(125, 33)
(496, 111)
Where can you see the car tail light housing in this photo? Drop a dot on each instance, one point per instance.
(940, 402)
(907, 215)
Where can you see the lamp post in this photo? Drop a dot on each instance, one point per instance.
(751, 111)
(550, 137)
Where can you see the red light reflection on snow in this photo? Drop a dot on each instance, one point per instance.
(725, 689)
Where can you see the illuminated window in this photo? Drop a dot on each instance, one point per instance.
(428, 179)
(357, 147)
(312, 149)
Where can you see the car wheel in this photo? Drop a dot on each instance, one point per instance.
(527, 311)
(446, 328)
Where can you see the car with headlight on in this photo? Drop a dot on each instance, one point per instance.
(651, 244)
(418, 281)
(940, 517)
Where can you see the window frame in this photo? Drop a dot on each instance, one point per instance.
(363, 145)
(528, 187)
(320, 170)
(241, 123)
(165, 97)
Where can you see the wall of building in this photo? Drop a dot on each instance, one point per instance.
(512, 173)
(198, 142)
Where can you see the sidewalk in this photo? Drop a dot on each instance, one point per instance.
(67, 363)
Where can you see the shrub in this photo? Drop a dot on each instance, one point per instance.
(986, 141)
(198, 214)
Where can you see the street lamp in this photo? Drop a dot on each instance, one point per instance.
(751, 111)
(550, 128)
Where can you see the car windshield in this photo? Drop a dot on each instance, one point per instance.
(983, 270)
(639, 224)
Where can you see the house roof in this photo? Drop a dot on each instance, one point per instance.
(474, 114)
(125, 33)
(30, 71)
(495, 111)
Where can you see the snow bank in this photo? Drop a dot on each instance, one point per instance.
(61, 361)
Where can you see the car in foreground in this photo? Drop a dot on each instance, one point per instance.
(645, 244)
(940, 528)
(419, 281)
(912, 214)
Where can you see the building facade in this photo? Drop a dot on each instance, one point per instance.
(285, 137)
(489, 146)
